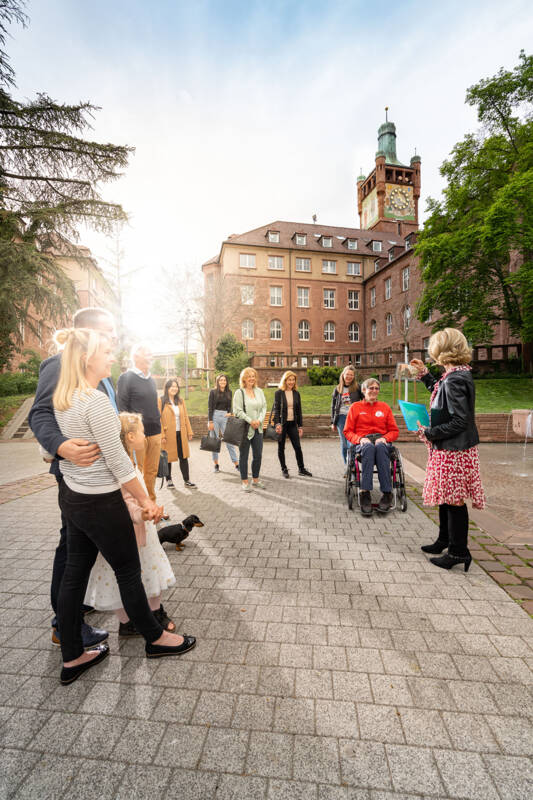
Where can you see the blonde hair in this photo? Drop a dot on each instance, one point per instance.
(78, 346)
(285, 377)
(353, 386)
(247, 372)
(128, 424)
(449, 346)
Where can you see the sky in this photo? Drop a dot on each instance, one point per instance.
(245, 112)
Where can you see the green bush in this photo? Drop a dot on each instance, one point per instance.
(324, 376)
(12, 383)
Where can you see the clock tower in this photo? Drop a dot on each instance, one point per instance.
(387, 199)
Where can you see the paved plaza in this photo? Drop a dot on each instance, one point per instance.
(333, 661)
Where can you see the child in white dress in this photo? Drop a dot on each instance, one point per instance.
(156, 572)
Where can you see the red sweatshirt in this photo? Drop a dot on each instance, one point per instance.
(364, 418)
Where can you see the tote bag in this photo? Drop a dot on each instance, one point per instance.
(270, 430)
(211, 442)
(236, 429)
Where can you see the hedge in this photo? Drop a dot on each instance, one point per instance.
(12, 383)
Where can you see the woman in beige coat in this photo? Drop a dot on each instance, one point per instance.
(176, 431)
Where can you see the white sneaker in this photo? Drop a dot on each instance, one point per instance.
(246, 487)
(258, 485)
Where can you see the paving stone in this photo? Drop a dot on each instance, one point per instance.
(512, 776)
(99, 737)
(236, 787)
(314, 683)
(465, 775)
(276, 681)
(336, 718)
(514, 734)
(49, 778)
(364, 764)
(254, 713)
(316, 759)
(292, 790)
(296, 655)
(390, 690)
(294, 715)
(470, 732)
(270, 754)
(379, 723)
(424, 728)
(413, 769)
(224, 750)
(56, 735)
(214, 708)
(431, 693)
(176, 705)
(82, 786)
(240, 679)
(143, 783)
(21, 728)
(181, 746)
(15, 765)
(139, 741)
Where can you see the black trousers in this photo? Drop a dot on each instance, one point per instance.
(256, 443)
(60, 559)
(290, 429)
(453, 528)
(184, 462)
(99, 522)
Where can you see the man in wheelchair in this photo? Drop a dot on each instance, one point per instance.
(371, 427)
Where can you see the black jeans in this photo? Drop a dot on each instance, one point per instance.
(290, 429)
(184, 462)
(256, 443)
(60, 558)
(99, 522)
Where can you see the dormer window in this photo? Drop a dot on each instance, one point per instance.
(376, 265)
(327, 241)
(377, 246)
(351, 244)
(273, 237)
(391, 254)
(301, 239)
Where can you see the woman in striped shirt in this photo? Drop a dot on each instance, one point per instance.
(91, 501)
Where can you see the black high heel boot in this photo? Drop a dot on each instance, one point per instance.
(448, 561)
(441, 542)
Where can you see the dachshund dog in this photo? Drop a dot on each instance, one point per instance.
(177, 533)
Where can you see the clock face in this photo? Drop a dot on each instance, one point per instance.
(399, 198)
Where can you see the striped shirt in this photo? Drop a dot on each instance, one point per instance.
(91, 417)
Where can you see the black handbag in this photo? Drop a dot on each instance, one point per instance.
(163, 470)
(270, 430)
(211, 442)
(236, 429)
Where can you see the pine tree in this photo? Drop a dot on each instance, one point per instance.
(50, 177)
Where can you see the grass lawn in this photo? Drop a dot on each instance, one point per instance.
(9, 405)
(492, 396)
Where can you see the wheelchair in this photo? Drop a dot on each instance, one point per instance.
(352, 487)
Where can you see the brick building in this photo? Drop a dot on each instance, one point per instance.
(301, 294)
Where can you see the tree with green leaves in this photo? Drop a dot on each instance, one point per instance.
(226, 348)
(179, 362)
(50, 179)
(476, 249)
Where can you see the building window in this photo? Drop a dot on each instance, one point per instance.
(304, 331)
(275, 329)
(275, 295)
(275, 262)
(302, 297)
(329, 298)
(371, 358)
(405, 279)
(376, 265)
(40, 333)
(388, 287)
(330, 361)
(391, 254)
(301, 239)
(425, 343)
(329, 332)
(353, 268)
(406, 317)
(247, 260)
(272, 361)
(429, 317)
(353, 300)
(303, 361)
(303, 265)
(357, 360)
(374, 330)
(329, 266)
(273, 236)
(22, 330)
(377, 247)
(327, 241)
(388, 322)
(247, 329)
(247, 295)
(372, 297)
(353, 332)
(351, 244)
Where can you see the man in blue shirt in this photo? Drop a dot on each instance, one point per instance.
(81, 452)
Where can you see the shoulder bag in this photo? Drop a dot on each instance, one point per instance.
(236, 429)
(211, 442)
(270, 430)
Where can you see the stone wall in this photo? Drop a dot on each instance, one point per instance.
(492, 427)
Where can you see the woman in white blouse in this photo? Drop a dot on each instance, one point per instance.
(249, 403)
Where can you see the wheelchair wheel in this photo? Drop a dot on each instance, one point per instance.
(348, 488)
(401, 496)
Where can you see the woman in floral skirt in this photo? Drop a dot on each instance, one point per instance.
(452, 474)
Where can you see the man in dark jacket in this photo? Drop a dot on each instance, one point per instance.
(81, 452)
(137, 393)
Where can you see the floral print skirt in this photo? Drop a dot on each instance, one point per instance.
(453, 476)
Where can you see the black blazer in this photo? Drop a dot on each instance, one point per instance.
(336, 399)
(452, 413)
(280, 408)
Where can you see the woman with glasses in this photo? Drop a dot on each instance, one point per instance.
(371, 427)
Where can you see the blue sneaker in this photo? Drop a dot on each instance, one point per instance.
(89, 635)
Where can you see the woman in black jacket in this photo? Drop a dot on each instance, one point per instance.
(347, 392)
(288, 421)
(452, 473)
(219, 409)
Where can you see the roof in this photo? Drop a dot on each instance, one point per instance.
(213, 260)
(258, 238)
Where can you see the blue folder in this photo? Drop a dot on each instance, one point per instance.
(413, 413)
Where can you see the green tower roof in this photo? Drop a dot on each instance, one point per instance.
(387, 143)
